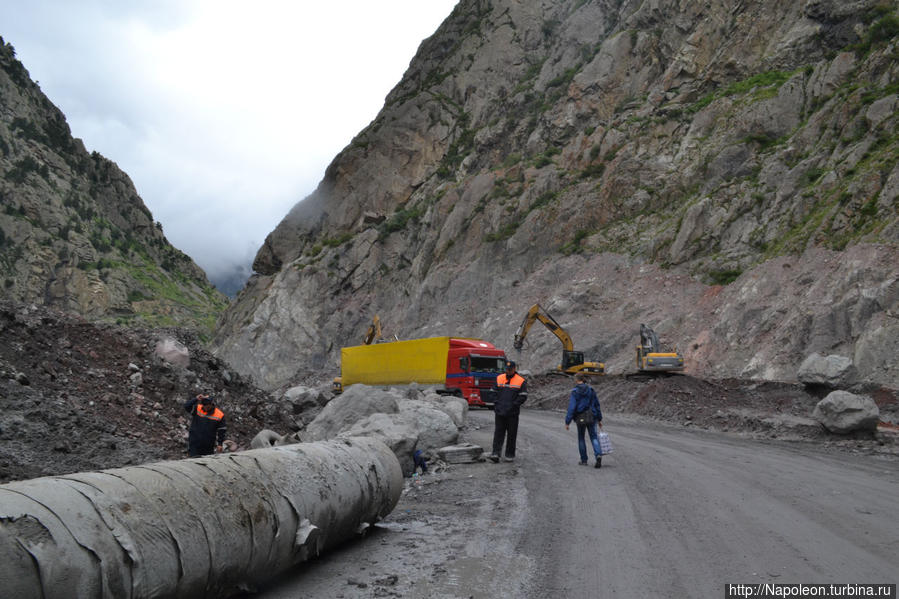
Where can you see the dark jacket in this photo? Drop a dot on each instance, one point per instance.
(581, 398)
(510, 394)
(205, 428)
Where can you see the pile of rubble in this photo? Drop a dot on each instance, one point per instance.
(83, 396)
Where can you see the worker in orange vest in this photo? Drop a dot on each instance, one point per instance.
(207, 426)
(511, 391)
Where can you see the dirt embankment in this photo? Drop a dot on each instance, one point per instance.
(81, 396)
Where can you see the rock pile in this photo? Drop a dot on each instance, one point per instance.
(406, 420)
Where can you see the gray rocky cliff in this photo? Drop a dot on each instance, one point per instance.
(724, 172)
(74, 234)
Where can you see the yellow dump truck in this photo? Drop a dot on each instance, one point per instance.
(465, 367)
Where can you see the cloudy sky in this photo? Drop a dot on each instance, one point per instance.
(224, 113)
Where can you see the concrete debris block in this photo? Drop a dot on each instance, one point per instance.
(464, 453)
(137, 379)
(842, 412)
(173, 352)
(832, 371)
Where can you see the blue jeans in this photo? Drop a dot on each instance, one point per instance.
(582, 444)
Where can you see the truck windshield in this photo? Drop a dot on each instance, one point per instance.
(485, 364)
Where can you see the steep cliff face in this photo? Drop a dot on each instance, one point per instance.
(73, 232)
(618, 161)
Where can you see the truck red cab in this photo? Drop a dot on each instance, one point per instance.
(472, 366)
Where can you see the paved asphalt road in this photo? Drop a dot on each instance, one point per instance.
(672, 513)
(679, 514)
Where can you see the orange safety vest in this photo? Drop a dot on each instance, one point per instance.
(516, 382)
(215, 414)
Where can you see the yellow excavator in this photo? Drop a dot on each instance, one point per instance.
(572, 361)
(651, 358)
(374, 331)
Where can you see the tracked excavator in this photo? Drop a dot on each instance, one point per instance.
(572, 361)
(652, 359)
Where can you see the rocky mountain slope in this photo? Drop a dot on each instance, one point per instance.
(722, 171)
(74, 234)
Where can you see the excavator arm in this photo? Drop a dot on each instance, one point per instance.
(373, 332)
(572, 361)
(535, 313)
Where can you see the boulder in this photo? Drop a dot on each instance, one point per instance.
(173, 352)
(353, 405)
(428, 422)
(304, 402)
(465, 453)
(397, 433)
(433, 427)
(842, 412)
(266, 438)
(832, 371)
(451, 405)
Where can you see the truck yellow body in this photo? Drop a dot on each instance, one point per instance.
(465, 367)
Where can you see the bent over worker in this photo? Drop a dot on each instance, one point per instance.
(511, 392)
(207, 426)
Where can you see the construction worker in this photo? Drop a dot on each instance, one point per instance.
(511, 391)
(207, 426)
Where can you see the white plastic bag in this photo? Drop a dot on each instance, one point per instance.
(605, 444)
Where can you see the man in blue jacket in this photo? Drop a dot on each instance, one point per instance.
(511, 391)
(583, 408)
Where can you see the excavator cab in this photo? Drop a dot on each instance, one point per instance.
(572, 358)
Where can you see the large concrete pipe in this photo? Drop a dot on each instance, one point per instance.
(190, 528)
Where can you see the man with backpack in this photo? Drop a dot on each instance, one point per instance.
(583, 408)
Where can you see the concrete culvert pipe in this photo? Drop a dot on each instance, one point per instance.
(190, 528)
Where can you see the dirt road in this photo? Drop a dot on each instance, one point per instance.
(672, 513)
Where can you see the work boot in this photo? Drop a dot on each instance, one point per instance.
(598, 462)
(494, 458)
(582, 463)
(509, 458)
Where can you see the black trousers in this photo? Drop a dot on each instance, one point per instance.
(196, 450)
(505, 428)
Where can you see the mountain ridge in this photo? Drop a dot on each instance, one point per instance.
(700, 141)
(74, 233)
